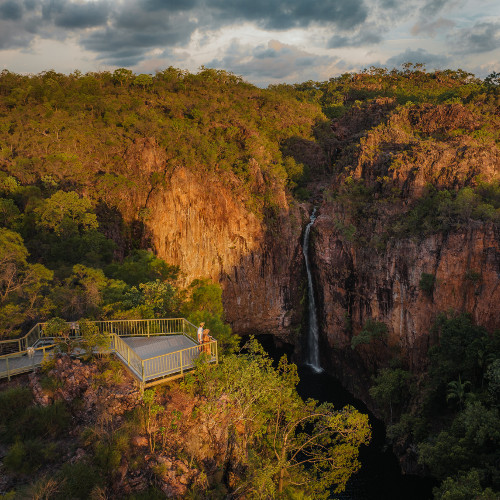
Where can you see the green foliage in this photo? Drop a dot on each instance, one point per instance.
(458, 352)
(466, 486)
(472, 439)
(22, 285)
(442, 210)
(426, 283)
(150, 411)
(13, 403)
(142, 266)
(459, 443)
(78, 480)
(493, 378)
(391, 391)
(92, 340)
(205, 306)
(457, 390)
(27, 456)
(160, 299)
(288, 441)
(373, 331)
(66, 213)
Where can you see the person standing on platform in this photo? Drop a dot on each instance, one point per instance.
(206, 341)
(199, 333)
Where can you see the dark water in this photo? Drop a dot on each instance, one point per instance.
(380, 477)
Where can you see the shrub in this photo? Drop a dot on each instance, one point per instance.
(79, 480)
(27, 456)
(426, 283)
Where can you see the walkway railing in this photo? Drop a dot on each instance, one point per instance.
(12, 351)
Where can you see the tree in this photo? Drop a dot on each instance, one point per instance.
(66, 213)
(288, 443)
(142, 266)
(122, 75)
(60, 331)
(457, 390)
(143, 80)
(92, 340)
(390, 389)
(81, 293)
(150, 411)
(160, 299)
(205, 305)
(464, 487)
(22, 285)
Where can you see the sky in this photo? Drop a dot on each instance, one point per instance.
(264, 41)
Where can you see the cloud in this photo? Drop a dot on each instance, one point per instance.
(127, 31)
(363, 37)
(136, 35)
(19, 24)
(11, 11)
(418, 56)
(274, 61)
(72, 15)
(432, 28)
(480, 38)
(286, 14)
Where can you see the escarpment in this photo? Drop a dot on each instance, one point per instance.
(205, 225)
(406, 235)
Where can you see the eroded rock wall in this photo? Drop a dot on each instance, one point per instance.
(203, 224)
(355, 284)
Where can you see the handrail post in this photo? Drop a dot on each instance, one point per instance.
(148, 328)
(19, 345)
(142, 364)
(180, 357)
(128, 355)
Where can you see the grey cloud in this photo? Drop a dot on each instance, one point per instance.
(105, 27)
(276, 61)
(30, 4)
(11, 11)
(170, 5)
(480, 38)
(148, 32)
(418, 56)
(432, 28)
(12, 38)
(283, 14)
(364, 37)
(18, 24)
(71, 15)
(433, 7)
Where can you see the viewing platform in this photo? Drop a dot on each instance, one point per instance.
(153, 350)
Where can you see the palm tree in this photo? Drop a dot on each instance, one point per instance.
(457, 390)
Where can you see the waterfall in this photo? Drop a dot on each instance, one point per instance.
(312, 337)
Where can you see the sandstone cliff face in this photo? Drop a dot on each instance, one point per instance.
(359, 279)
(203, 225)
(356, 284)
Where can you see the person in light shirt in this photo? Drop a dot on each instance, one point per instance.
(199, 333)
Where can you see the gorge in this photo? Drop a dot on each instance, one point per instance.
(380, 188)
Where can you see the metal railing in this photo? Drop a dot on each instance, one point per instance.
(145, 370)
(178, 361)
(24, 361)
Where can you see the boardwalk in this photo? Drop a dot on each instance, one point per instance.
(182, 352)
(153, 350)
(22, 363)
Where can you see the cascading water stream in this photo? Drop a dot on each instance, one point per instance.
(312, 338)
